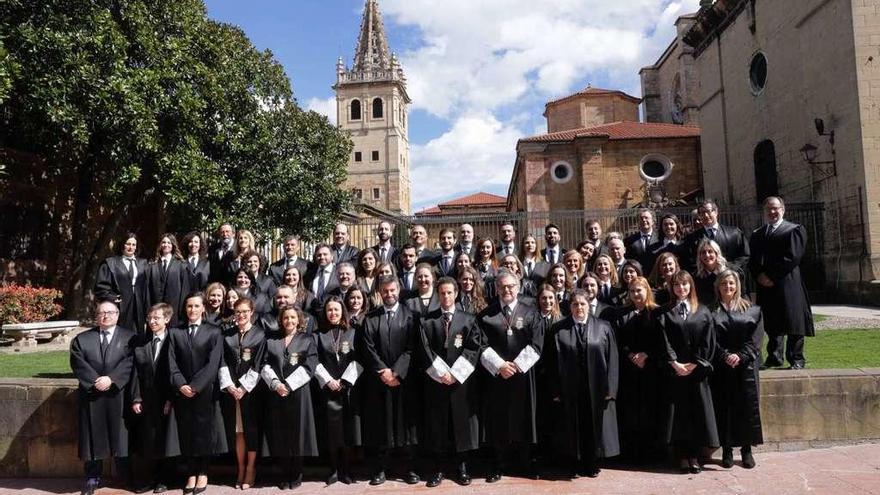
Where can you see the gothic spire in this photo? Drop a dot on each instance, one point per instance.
(372, 48)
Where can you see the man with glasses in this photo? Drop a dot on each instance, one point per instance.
(513, 343)
(730, 239)
(101, 362)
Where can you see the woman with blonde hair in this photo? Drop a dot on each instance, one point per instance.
(710, 262)
(739, 328)
(606, 271)
(641, 367)
(574, 264)
(558, 279)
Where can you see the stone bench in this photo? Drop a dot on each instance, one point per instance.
(25, 334)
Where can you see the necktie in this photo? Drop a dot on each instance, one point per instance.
(130, 266)
(407, 280)
(388, 316)
(593, 309)
(559, 297)
(529, 267)
(192, 332)
(164, 266)
(683, 310)
(447, 321)
(382, 252)
(155, 348)
(552, 255)
(606, 291)
(291, 261)
(507, 311)
(194, 260)
(579, 334)
(445, 263)
(712, 234)
(322, 281)
(105, 342)
(644, 241)
(466, 302)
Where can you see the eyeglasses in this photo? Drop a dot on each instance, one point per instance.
(244, 312)
(107, 313)
(509, 287)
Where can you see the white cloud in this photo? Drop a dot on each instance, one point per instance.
(325, 107)
(477, 152)
(477, 60)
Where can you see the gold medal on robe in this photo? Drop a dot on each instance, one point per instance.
(458, 341)
(509, 332)
(346, 347)
(246, 354)
(294, 359)
(519, 323)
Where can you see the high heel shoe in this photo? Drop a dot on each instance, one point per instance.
(249, 475)
(695, 467)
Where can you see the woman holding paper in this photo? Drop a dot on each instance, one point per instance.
(243, 348)
(450, 342)
(337, 373)
(288, 364)
(583, 363)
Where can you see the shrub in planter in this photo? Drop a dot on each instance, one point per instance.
(26, 304)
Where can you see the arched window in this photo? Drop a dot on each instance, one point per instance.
(766, 183)
(355, 109)
(377, 108)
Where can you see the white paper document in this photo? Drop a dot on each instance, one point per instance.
(526, 359)
(438, 369)
(491, 360)
(298, 378)
(249, 380)
(352, 372)
(322, 375)
(461, 369)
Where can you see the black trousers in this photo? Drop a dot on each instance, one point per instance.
(380, 457)
(438, 459)
(94, 469)
(197, 465)
(794, 348)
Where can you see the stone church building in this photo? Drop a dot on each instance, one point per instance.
(372, 103)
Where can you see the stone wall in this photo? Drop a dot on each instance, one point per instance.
(799, 410)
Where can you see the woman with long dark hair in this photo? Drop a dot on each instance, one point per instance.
(470, 295)
(123, 280)
(168, 278)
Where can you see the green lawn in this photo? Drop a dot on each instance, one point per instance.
(819, 318)
(829, 349)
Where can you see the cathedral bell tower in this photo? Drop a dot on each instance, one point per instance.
(371, 103)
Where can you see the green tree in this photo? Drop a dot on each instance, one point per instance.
(142, 100)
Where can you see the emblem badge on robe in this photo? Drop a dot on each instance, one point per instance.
(294, 359)
(459, 340)
(246, 354)
(519, 323)
(346, 347)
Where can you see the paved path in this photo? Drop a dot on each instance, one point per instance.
(848, 470)
(865, 312)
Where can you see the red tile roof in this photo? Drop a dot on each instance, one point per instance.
(476, 199)
(429, 211)
(591, 91)
(619, 131)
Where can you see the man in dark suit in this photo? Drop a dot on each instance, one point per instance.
(466, 240)
(390, 395)
(151, 394)
(730, 239)
(639, 243)
(594, 235)
(342, 249)
(321, 275)
(221, 254)
(101, 362)
(291, 258)
(450, 343)
(418, 237)
(345, 280)
(407, 272)
(513, 342)
(617, 252)
(507, 240)
(553, 252)
(444, 261)
(776, 252)
(384, 248)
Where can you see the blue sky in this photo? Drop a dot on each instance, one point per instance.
(479, 72)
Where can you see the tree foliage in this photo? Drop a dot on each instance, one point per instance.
(138, 99)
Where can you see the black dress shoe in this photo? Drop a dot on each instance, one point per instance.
(284, 486)
(695, 468)
(747, 457)
(89, 488)
(143, 489)
(378, 478)
(197, 490)
(160, 488)
(463, 478)
(493, 477)
(770, 363)
(295, 483)
(435, 480)
(187, 491)
(727, 457)
(592, 472)
(347, 479)
(797, 366)
(411, 478)
(333, 478)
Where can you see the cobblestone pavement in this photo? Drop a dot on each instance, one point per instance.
(847, 470)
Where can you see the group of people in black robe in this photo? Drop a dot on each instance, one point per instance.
(535, 359)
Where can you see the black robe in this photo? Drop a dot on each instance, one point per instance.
(290, 429)
(640, 393)
(644, 254)
(199, 275)
(690, 422)
(417, 306)
(450, 410)
(195, 362)
(340, 411)
(786, 305)
(705, 287)
(102, 432)
(509, 405)
(221, 266)
(735, 391)
(154, 435)
(733, 243)
(170, 286)
(582, 375)
(240, 355)
(390, 414)
(113, 282)
(277, 269)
